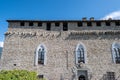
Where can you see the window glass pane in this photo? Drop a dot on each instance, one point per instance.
(41, 53)
(80, 54)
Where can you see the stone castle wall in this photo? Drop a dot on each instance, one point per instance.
(21, 44)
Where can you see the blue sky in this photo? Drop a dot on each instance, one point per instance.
(55, 9)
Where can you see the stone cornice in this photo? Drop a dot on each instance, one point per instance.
(109, 32)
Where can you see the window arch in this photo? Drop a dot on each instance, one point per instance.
(40, 56)
(116, 52)
(80, 53)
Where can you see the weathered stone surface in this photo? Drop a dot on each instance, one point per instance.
(21, 43)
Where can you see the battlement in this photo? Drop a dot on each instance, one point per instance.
(65, 25)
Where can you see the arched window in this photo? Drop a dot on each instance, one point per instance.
(116, 52)
(80, 54)
(40, 57)
(41, 54)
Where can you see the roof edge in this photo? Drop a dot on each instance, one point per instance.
(58, 20)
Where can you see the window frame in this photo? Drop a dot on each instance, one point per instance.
(80, 46)
(115, 52)
(37, 53)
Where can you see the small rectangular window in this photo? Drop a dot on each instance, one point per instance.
(39, 24)
(110, 75)
(30, 23)
(98, 23)
(65, 26)
(79, 24)
(40, 76)
(89, 23)
(22, 24)
(48, 26)
(107, 23)
(117, 23)
(57, 24)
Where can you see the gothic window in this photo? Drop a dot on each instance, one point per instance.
(110, 75)
(40, 57)
(116, 53)
(80, 54)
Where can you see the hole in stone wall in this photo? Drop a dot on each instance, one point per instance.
(57, 24)
(48, 26)
(89, 23)
(14, 64)
(30, 23)
(117, 23)
(107, 23)
(79, 24)
(40, 24)
(22, 23)
(40, 76)
(98, 23)
(65, 26)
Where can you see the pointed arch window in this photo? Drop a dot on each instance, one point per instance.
(80, 54)
(116, 52)
(40, 57)
(41, 54)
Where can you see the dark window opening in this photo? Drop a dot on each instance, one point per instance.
(117, 54)
(117, 23)
(107, 23)
(30, 23)
(81, 77)
(79, 24)
(110, 75)
(98, 23)
(40, 76)
(57, 24)
(22, 24)
(48, 26)
(89, 23)
(40, 24)
(65, 26)
(41, 56)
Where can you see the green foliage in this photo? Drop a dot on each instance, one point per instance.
(18, 75)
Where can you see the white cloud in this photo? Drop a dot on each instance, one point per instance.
(113, 15)
(1, 44)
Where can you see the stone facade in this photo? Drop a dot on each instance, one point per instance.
(21, 43)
